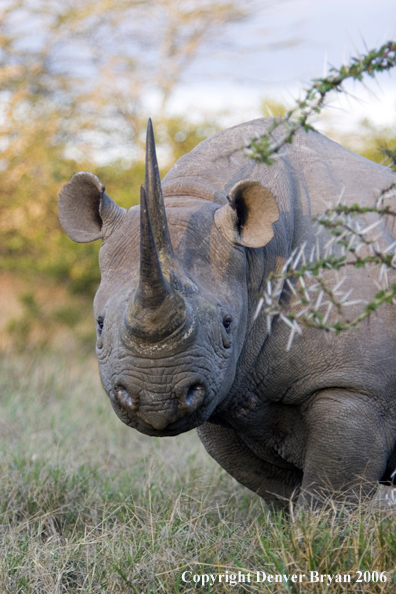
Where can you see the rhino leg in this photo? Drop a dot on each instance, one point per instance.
(276, 486)
(348, 445)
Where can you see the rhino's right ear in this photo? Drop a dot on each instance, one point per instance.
(86, 213)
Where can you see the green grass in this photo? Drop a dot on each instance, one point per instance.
(89, 505)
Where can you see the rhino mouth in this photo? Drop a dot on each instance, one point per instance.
(173, 429)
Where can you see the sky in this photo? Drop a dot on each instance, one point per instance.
(286, 44)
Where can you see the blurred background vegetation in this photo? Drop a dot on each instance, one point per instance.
(74, 82)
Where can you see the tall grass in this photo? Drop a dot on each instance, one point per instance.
(89, 505)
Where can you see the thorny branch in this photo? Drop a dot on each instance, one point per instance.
(303, 277)
(262, 148)
(301, 294)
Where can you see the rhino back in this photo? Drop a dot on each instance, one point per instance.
(309, 175)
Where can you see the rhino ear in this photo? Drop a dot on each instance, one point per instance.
(86, 213)
(247, 218)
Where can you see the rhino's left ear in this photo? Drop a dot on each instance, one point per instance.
(86, 213)
(247, 218)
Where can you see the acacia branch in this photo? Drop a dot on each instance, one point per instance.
(301, 294)
(313, 300)
(264, 147)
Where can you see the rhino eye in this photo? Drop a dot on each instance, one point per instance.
(227, 324)
(100, 322)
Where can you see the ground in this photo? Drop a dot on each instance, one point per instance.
(89, 505)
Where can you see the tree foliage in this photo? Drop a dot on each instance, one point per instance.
(75, 78)
(77, 82)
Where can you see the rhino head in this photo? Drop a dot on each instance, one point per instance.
(171, 309)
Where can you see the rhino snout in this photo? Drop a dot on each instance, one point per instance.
(157, 410)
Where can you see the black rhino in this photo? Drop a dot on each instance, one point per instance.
(177, 342)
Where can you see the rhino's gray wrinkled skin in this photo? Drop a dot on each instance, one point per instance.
(177, 345)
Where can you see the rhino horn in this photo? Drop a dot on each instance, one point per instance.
(153, 288)
(156, 310)
(155, 200)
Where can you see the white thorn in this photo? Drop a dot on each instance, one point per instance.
(346, 296)
(370, 227)
(390, 247)
(338, 285)
(290, 285)
(286, 321)
(319, 300)
(356, 302)
(290, 341)
(328, 313)
(258, 308)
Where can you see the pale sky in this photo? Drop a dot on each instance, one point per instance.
(229, 75)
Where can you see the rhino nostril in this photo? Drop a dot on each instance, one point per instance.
(124, 398)
(195, 395)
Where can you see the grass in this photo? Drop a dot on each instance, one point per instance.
(89, 505)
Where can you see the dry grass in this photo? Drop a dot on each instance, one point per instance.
(88, 505)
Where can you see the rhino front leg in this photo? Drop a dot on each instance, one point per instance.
(275, 485)
(349, 441)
